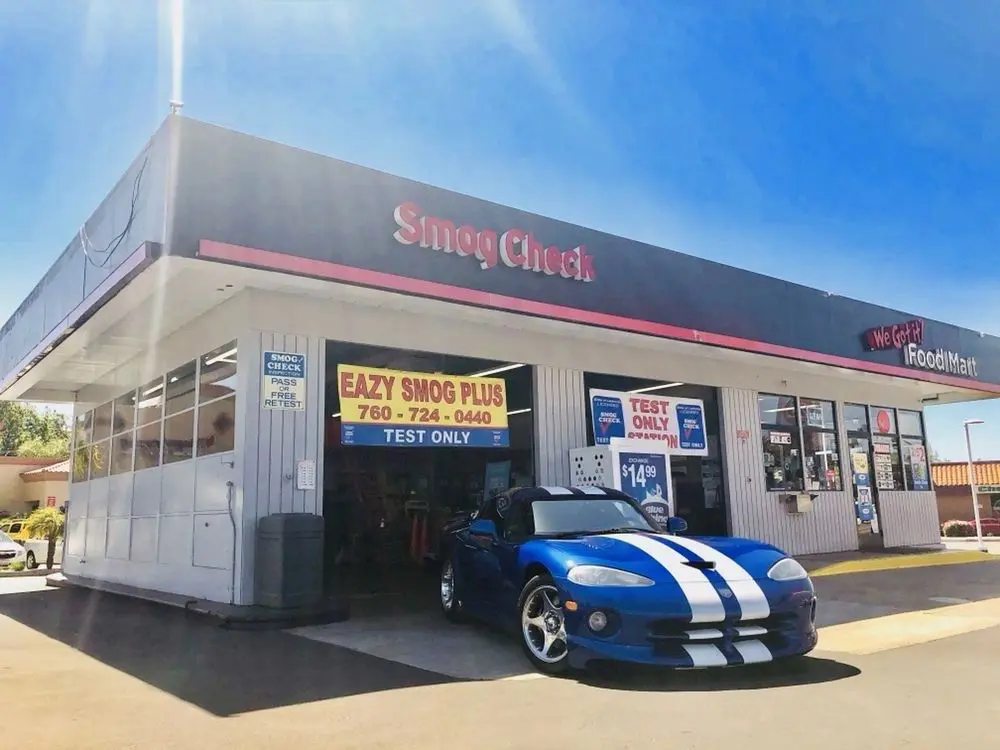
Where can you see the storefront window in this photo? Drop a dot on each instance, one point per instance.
(888, 466)
(218, 373)
(84, 429)
(102, 422)
(178, 437)
(216, 423)
(147, 446)
(820, 449)
(883, 421)
(914, 450)
(81, 463)
(180, 387)
(856, 418)
(100, 459)
(123, 419)
(149, 407)
(217, 401)
(121, 453)
(780, 433)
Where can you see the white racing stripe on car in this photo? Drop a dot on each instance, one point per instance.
(748, 630)
(753, 601)
(557, 490)
(708, 634)
(587, 489)
(706, 655)
(702, 598)
(753, 652)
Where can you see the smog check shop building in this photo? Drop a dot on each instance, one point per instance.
(247, 329)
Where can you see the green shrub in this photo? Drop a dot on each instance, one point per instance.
(958, 528)
(17, 566)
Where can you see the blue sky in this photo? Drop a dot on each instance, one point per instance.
(849, 145)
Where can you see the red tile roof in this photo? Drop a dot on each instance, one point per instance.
(956, 473)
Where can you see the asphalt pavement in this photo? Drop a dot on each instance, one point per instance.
(115, 673)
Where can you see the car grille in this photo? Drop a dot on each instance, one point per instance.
(676, 632)
(7, 555)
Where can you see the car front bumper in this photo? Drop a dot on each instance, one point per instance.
(657, 636)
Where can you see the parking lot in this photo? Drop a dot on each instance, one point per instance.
(116, 673)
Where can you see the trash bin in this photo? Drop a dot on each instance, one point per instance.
(289, 562)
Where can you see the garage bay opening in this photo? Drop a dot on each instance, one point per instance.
(412, 441)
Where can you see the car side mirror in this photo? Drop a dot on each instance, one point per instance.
(483, 527)
(676, 525)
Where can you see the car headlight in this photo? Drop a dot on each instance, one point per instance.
(787, 569)
(598, 575)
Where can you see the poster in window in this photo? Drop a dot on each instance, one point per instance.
(645, 477)
(883, 472)
(859, 461)
(918, 465)
(866, 507)
(781, 438)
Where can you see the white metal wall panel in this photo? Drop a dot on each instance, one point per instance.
(272, 442)
(560, 416)
(908, 519)
(758, 514)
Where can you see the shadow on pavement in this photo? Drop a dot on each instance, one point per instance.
(783, 673)
(223, 671)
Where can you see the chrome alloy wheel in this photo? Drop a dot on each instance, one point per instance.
(543, 625)
(447, 586)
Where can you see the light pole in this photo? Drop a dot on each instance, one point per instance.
(972, 483)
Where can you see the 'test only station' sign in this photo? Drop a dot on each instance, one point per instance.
(283, 381)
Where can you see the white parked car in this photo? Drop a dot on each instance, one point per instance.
(10, 552)
(36, 550)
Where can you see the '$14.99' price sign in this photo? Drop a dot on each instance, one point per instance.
(644, 477)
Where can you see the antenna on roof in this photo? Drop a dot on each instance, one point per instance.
(176, 54)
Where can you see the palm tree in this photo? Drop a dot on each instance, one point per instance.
(47, 523)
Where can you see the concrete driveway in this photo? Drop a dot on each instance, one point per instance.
(116, 673)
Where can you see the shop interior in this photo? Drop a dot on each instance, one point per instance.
(385, 506)
(699, 491)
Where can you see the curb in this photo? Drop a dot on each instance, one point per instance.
(903, 562)
(37, 572)
(231, 617)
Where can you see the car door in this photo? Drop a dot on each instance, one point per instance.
(477, 565)
(514, 531)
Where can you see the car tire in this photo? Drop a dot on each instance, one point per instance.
(451, 606)
(29, 560)
(542, 626)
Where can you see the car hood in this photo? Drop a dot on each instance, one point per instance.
(654, 555)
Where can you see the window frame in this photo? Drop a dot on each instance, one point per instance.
(834, 431)
(795, 429)
(922, 439)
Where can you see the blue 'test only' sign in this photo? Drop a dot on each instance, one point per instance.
(283, 381)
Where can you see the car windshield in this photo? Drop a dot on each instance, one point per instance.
(561, 517)
(4, 539)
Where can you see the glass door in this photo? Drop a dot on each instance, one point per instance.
(860, 448)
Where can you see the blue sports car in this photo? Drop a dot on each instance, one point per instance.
(584, 574)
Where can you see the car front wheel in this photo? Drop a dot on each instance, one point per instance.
(29, 561)
(450, 604)
(543, 626)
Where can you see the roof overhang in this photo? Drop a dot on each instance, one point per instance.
(157, 296)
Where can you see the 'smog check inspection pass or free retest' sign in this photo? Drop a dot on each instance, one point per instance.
(283, 381)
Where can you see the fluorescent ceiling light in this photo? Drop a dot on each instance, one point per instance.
(154, 389)
(224, 357)
(518, 411)
(660, 387)
(494, 371)
(334, 416)
(775, 411)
